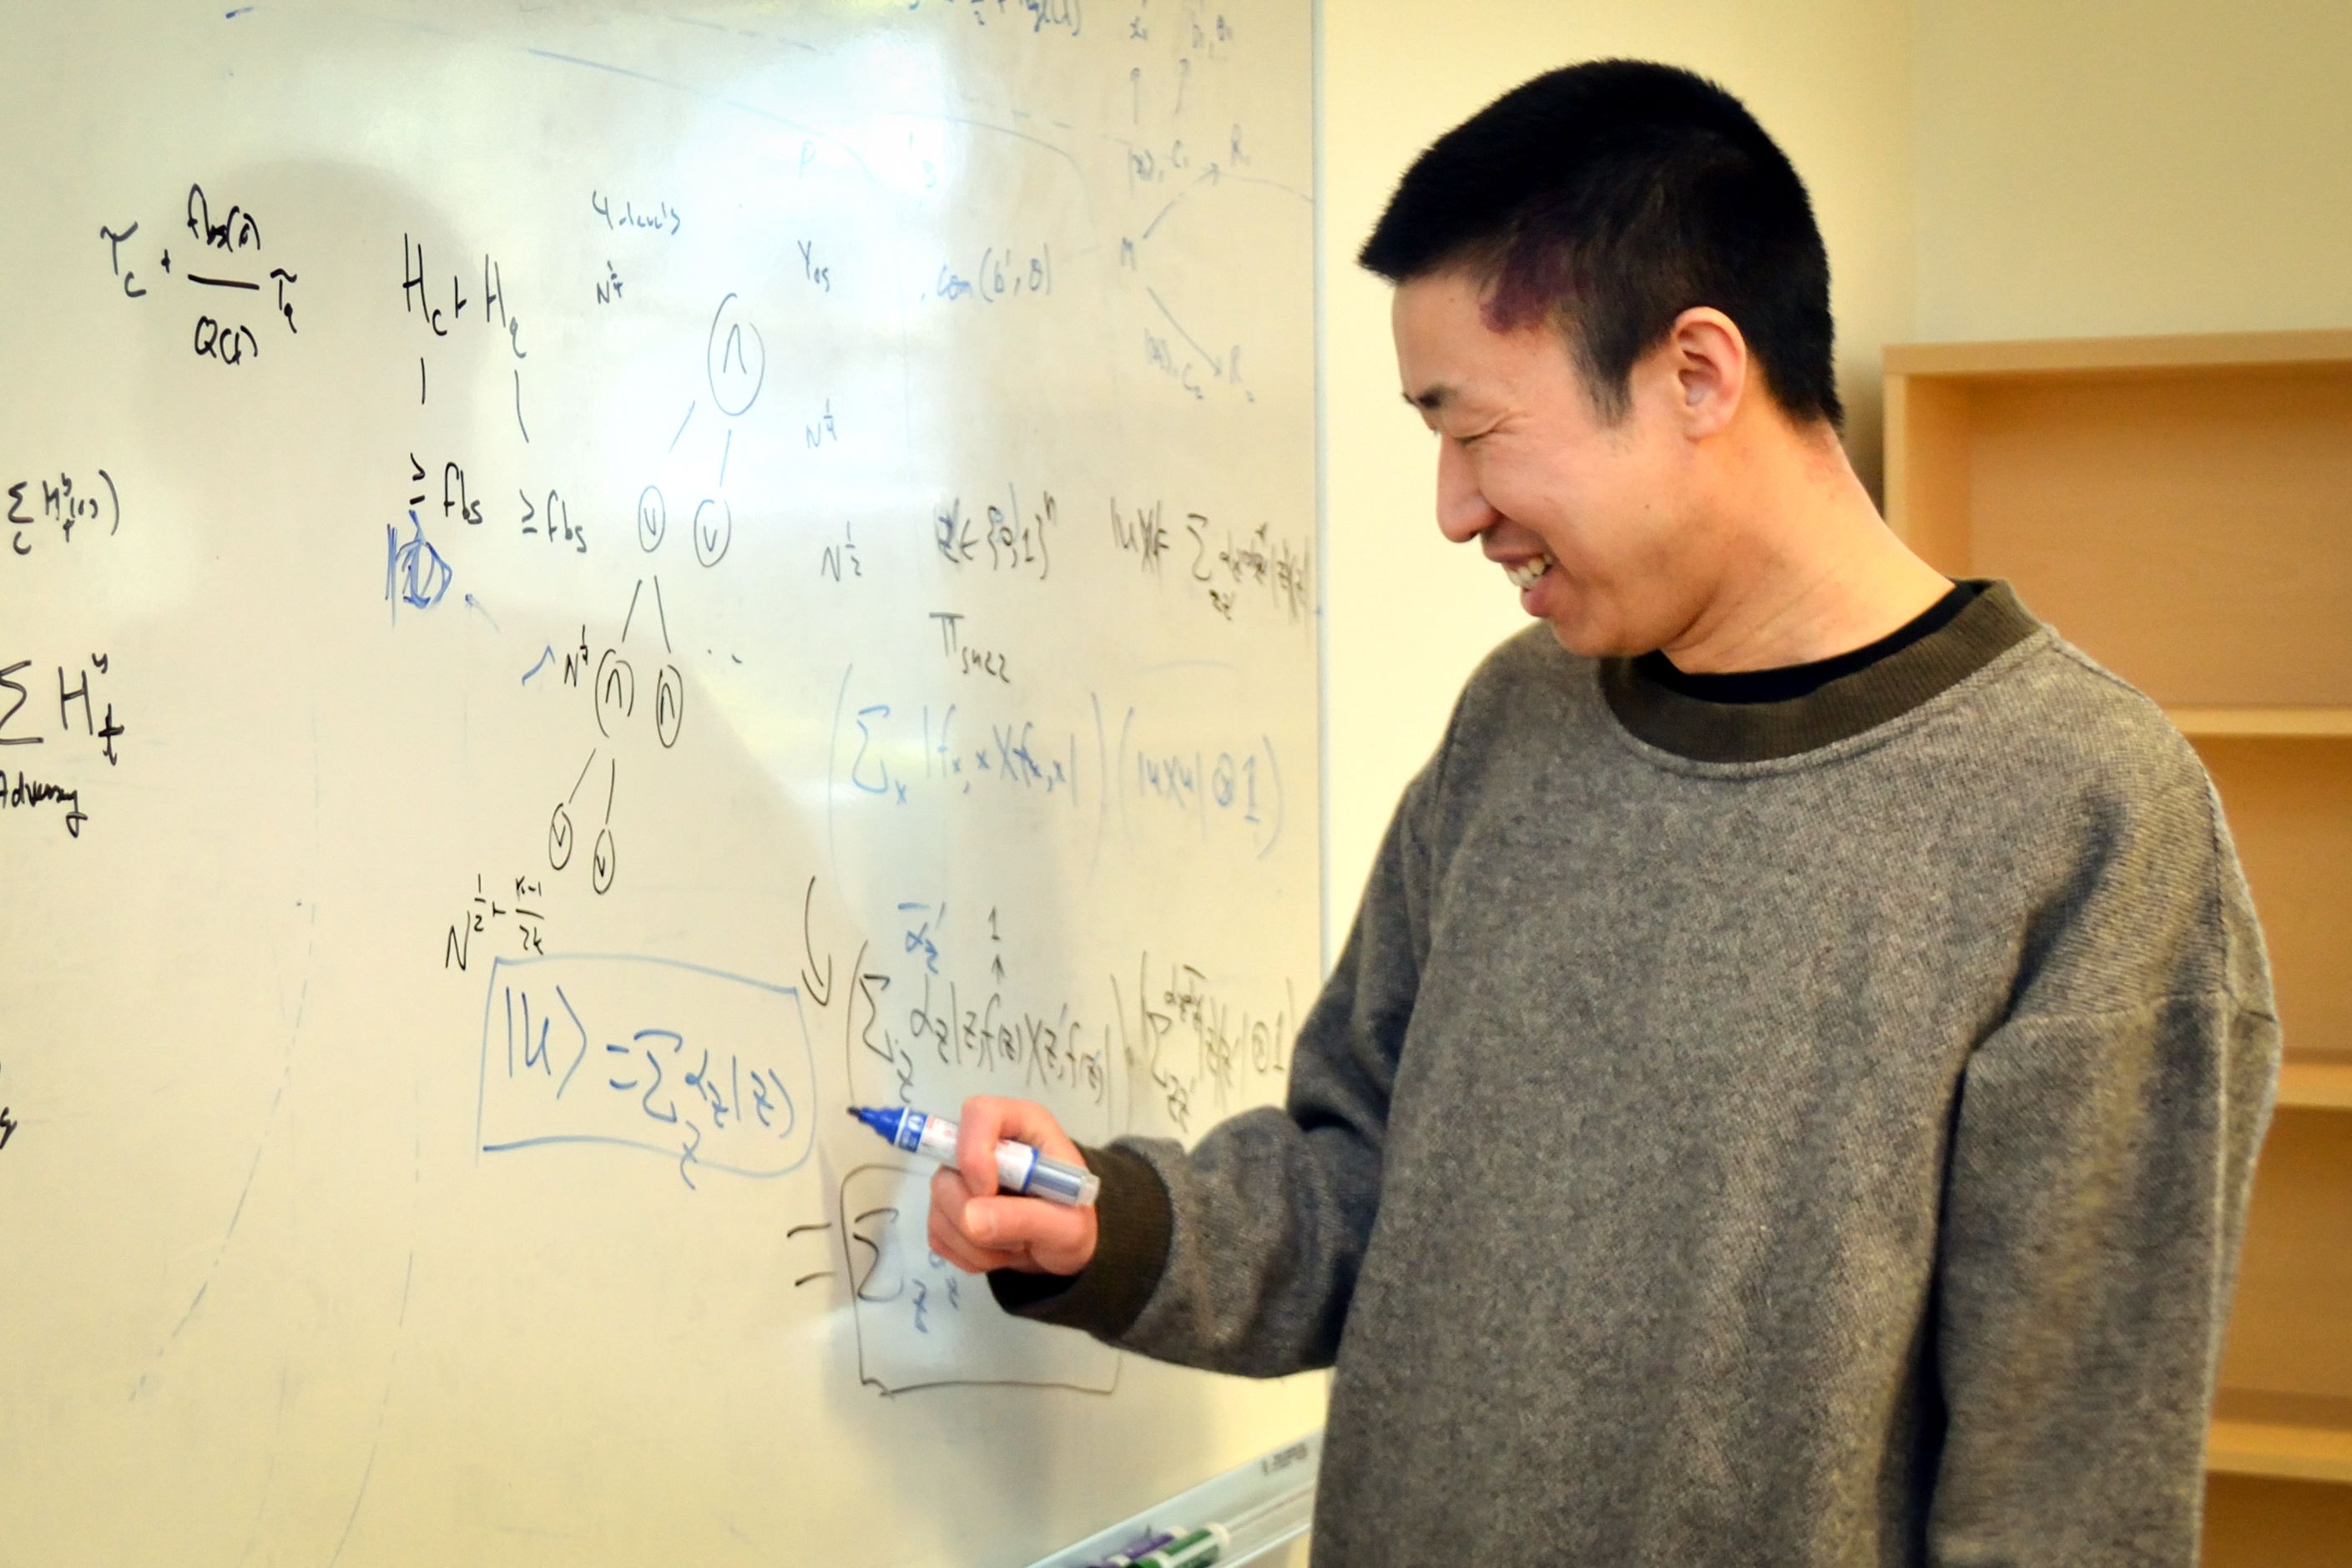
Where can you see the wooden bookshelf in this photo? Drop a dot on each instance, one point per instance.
(2318, 1083)
(2276, 1524)
(2287, 1436)
(2181, 509)
(2289, 802)
(2263, 721)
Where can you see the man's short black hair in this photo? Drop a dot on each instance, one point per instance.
(1610, 197)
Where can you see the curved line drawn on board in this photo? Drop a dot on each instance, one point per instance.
(383, 1410)
(260, 1147)
(399, 1319)
(813, 135)
(922, 1323)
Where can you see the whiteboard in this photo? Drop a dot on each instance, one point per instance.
(582, 591)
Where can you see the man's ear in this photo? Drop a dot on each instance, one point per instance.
(1710, 364)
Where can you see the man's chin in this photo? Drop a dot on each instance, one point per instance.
(1580, 637)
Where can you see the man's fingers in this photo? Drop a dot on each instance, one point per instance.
(977, 1132)
(996, 1230)
(1029, 1122)
(948, 1192)
(949, 1244)
(1011, 1224)
(1023, 1121)
(946, 1235)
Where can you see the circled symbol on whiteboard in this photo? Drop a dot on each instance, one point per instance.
(617, 688)
(602, 865)
(653, 519)
(714, 531)
(735, 359)
(669, 704)
(559, 838)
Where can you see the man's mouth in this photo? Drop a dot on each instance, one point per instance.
(1525, 574)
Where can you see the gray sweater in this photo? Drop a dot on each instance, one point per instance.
(1813, 1131)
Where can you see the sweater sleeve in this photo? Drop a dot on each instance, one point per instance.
(1241, 1254)
(2099, 1172)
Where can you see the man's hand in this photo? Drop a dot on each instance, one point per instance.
(975, 1229)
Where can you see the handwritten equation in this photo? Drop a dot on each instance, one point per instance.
(23, 722)
(36, 505)
(923, 1325)
(228, 245)
(710, 1071)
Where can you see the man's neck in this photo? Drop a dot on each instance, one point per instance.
(1813, 572)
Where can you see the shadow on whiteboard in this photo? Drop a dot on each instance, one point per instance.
(924, 1323)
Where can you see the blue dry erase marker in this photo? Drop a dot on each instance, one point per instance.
(1020, 1169)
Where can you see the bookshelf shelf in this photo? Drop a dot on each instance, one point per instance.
(2287, 1436)
(2315, 1083)
(2278, 722)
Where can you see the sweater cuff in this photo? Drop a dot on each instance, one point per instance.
(1134, 1224)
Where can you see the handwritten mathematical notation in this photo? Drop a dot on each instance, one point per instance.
(415, 571)
(545, 515)
(710, 1070)
(972, 1023)
(1003, 273)
(61, 505)
(1063, 16)
(611, 683)
(1188, 1043)
(897, 754)
(21, 790)
(670, 1082)
(1041, 1050)
(661, 217)
(1227, 563)
(836, 559)
(227, 249)
(417, 297)
(1021, 755)
(484, 911)
(999, 537)
(969, 657)
(1185, 1042)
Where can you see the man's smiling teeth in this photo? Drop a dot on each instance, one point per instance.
(1527, 572)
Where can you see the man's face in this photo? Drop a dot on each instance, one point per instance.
(1528, 467)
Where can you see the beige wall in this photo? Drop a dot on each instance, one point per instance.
(1407, 615)
(2095, 166)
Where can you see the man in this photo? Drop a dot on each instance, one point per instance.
(1791, 1091)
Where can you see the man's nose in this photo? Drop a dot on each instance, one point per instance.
(1462, 512)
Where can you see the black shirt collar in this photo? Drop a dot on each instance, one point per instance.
(1780, 713)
